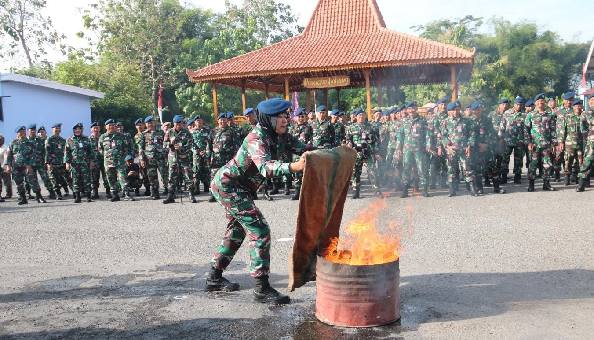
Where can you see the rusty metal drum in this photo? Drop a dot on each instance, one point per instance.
(357, 296)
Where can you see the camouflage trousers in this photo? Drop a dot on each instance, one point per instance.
(152, 172)
(164, 171)
(243, 219)
(573, 157)
(40, 169)
(518, 152)
(415, 163)
(116, 177)
(458, 161)
(6, 181)
(97, 172)
(57, 176)
(540, 154)
(438, 168)
(81, 177)
(201, 171)
(177, 169)
(19, 174)
(134, 182)
(586, 167)
(486, 164)
(558, 160)
(369, 163)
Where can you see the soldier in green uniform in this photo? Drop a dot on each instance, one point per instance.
(458, 136)
(571, 141)
(487, 148)
(179, 159)
(339, 127)
(54, 160)
(515, 136)
(38, 162)
(498, 144)
(588, 128)
(5, 180)
(113, 146)
(223, 146)
(303, 132)
(394, 164)
(138, 139)
(19, 162)
(98, 171)
(413, 146)
(528, 107)
(250, 114)
(150, 152)
(323, 131)
(541, 127)
(363, 138)
(438, 168)
(201, 148)
(78, 157)
(558, 154)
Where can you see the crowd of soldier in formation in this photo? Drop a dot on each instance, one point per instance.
(402, 148)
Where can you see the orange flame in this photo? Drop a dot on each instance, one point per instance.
(362, 244)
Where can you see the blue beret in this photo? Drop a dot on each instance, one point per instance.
(32, 126)
(322, 108)
(77, 125)
(504, 101)
(300, 112)
(539, 96)
(138, 121)
(19, 128)
(93, 124)
(248, 111)
(568, 95)
(41, 128)
(440, 101)
(109, 121)
(452, 106)
(148, 119)
(223, 115)
(475, 106)
(410, 104)
(57, 125)
(275, 106)
(128, 158)
(334, 112)
(386, 112)
(359, 112)
(178, 119)
(529, 102)
(230, 115)
(577, 101)
(119, 124)
(520, 100)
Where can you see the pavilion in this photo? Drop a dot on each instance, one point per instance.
(345, 44)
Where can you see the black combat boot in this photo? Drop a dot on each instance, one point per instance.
(574, 179)
(479, 187)
(215, 282)
(192, 197)
(297, 192)
(22, 199)
(517, 179)
(558, 176)
(39, 198)
(59, 194)
(487, 182)
(115, 197)
(530, 185)
(66, 192)
(452, 190)
(404, 193)
(264, 293)
(581, 187)
(546, 185)
(95, 194)
(567, 180)
(170, 197)
(155, 193)
(472, 190)
(76, 195)
(587, 180)
(147, 191)
(275, 189)
(89, 197)
(425, 191)
(357, 191)
(137, 192)
(287, 189)
(197, 188)
(503, 178)
(212, 199)
(29, 194)
(496, 188)
(2, 199)
(267, 194)
(108, 193)
(52, 195)
(128, 195)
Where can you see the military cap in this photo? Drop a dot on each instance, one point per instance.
(410, 104)
(300, 112)
(19, 128)
(41, 128)
(248, 111)
(148, 119)
(223, 115)
(520, 100)
(577, 101)
(230, 115)
(138, 121)
(441, 101)
(276, 106)
(57, 125)
(334, 112)
(475, 106)
(385, 112)
(109, 122)
(377, 109)
(77, 125)
(453, 106)
(178, 119)
(504, 101)
(32, 127)
(322, 108)
(568, 95)
(359, 112)
(120, 124)
(128, 158)
(191, 120)
(529, 102)
(93, 124)
(539, 96)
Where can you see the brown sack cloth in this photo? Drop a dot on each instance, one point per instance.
(325, 185)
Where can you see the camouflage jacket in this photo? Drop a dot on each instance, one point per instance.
(303, 132)
(182, 138)
(363, 138)
(223, 146)
(202, 143)
(339, 133)
(588, 125)
(485, 131)
(131, 150)
(458, 133)
(513, 129)
(572, 130)
(434, 128)
(152, 145)
(78, 150)
(254, 162)
(97, 156)
(114, 148)
(38, 151)
(138, 140)
(393, 129)
(54, 150)
(323, 135)
(20, 153)
(541, 128)
(413, 135)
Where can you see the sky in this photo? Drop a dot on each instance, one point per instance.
(569, 18)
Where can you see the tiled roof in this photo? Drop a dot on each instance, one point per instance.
(342, 34)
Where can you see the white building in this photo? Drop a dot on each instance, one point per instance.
(26, 100)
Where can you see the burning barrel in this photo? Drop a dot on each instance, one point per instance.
(357, 295)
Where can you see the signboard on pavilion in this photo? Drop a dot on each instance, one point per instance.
(326, 82)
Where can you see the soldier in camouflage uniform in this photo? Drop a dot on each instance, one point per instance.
(138, 140)
(393, 163)
(571, 141)
(588, 128)
(98, 171)
(515, 136)
(54, 159)
(150, 152)
(496, 163)
(303, 132)
(558, 155)
(223, 145)
(339, 127)
(38, 162)
(180, 142)
(487, 148)
(413, 146)
(250, 114)
(78, 157)
(323, 131)
(363, 138)
(19, 162)
(458, 136)
(541, 127)
(201, 148)
(113, 146)
(438, 164)
(234, 186)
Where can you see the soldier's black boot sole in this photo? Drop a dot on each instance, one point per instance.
(546, 186)
(76, 197)
(264, 293)
(39, 198)
(567, 181)
(581, 187)
(221, 285)
(531, 185)
(115, 198)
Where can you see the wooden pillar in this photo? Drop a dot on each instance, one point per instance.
(266, 93)
(367, 75)
(325, 98)
(287, 94)
(243, 96)
(215, 102)
(454, 82)
(308, 97)
(315, 100)
(380, 93)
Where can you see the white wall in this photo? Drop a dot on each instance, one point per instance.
(29, 104)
